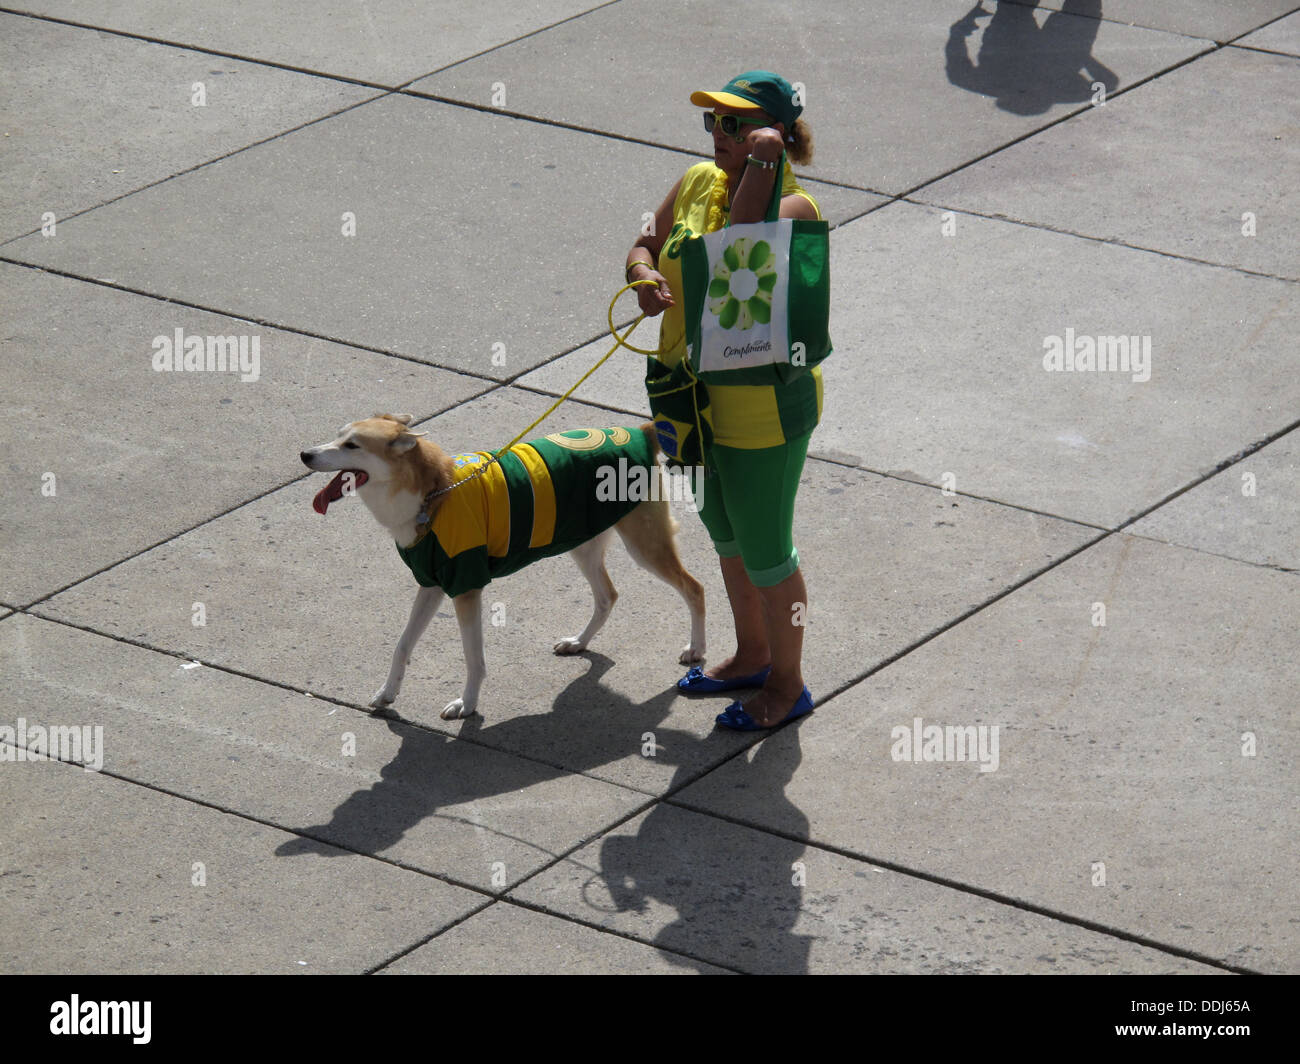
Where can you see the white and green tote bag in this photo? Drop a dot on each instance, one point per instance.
(757, 299)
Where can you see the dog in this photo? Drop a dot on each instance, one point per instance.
(457, 525)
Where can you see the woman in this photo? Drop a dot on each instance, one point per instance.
(759, 432)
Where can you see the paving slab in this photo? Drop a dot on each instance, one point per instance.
(90, 116)
(1212, 190)
(924, 386)
(387, 42)
(509, 939)
(100, 876)
(325, 619)
(1145, 767)
(480, 258)
(881, 89)
(1280, 36)
(1250, 511)
(106, 455)
(1197, 18)
(329, 775)
(727, 894)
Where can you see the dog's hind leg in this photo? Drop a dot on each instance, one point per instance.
(422, 611)
(591, 560)
(649, 533)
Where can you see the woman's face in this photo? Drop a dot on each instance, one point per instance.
(729, 155)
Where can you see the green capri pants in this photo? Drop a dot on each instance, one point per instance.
(748, 506)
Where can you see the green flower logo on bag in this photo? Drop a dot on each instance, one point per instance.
(740, 293)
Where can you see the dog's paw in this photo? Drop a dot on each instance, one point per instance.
(691, 656)
(571, 645)
(457, 710)
(383, 698)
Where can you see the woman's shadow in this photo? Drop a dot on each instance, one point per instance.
(737, 892)
(1026, 67)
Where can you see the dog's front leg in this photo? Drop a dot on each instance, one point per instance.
(422, 611)
(469, 616)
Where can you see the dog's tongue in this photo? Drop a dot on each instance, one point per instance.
(333, 491)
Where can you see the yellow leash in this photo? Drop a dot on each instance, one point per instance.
(619, 341)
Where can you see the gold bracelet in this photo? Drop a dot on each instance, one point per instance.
(627, 273)
(762, 164)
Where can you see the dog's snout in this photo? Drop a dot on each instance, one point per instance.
(306, 457)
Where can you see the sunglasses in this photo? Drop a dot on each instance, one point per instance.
(730, 124)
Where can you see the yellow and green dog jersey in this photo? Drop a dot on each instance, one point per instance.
(543, 497)
(744, 416)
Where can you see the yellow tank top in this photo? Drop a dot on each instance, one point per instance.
(744, 416)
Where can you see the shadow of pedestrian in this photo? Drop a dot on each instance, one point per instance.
(737, 892)
(1026, 67)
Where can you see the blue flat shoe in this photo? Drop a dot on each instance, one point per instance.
(696, 683)
(735, 717)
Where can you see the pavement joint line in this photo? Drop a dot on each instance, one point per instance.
(182, 173)
(981, 892)
(1264, 51)
(1083, 109)
(1112, 241)
(165, 43)
(541, 120)
(1120, 22)
(576, 346)
(400, 89)
(667, 798)
(1226, 463)
(392, 958)
(1212, 553)
(251, 319)
(252, 819)
(542, 911)
(388, 715)
(1263, 25)
(1117, 530)
(208, 520)
(845, 464)
(515, 40)
(490, 897)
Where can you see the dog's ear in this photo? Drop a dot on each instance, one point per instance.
(405, 419)
(403, 443)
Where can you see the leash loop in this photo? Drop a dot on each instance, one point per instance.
(619, 341)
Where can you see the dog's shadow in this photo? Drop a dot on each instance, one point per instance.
(732, 888)
(588, 726)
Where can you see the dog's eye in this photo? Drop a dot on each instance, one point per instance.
(350, 445)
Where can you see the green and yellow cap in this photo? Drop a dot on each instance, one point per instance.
(759, 89)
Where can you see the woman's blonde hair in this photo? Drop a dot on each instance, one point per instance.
(801, 151)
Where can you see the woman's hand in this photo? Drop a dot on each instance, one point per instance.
(765, 143)
(654, 299)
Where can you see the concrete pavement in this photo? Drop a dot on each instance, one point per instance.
(1090, 575)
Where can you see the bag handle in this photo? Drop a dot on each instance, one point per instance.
(773, 204)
